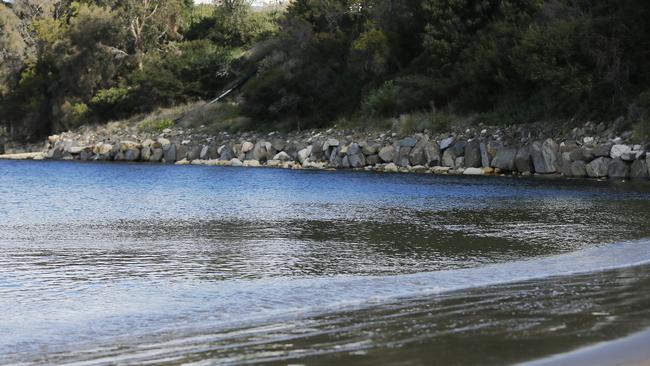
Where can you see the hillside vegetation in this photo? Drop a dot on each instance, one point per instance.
(313, 63)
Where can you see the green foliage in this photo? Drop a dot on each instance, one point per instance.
(156, 126)
(370, 52)
(381, 102)
(74, 114)
(234, 24)
(187, 71)
(315, 62)
(112, 103)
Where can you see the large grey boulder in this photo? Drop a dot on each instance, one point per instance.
(132, 154)
(578, 169)
(317, 152)
(407, 142)
(370, 148)
(445, 143)
(282, 156)
(583, 153)
(86, 154)
(156, 154)
(345, 162)
(493, 147)
(565, 163)
(226, 153)
(505, 159)
(355, 156)
(602, 150)
(523, 160)
(424, 152)
(618, 169)
(278, 144)
(387, 154)
(639, 170)
(598, 167)
(213, 152)
(145, 153)
(486, 158)
(618, 150)
(181, 152)
(459, 147)
(56, 152)
(335, 160)
(247, 146)
(568, 146)
(636, 152)
(432, 153)
(263, 151)
(544, 156)
(194, 152)
(169, 153)
(402, 156)
(473, 154)
(328, 146)
(205, 152)
(373, 159)
(449, 158)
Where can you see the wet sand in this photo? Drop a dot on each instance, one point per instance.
(633, 350)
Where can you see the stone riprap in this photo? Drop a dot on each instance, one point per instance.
(587, 152)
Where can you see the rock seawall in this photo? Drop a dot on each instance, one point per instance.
(591, 151)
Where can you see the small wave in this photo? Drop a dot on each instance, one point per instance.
(187, 309)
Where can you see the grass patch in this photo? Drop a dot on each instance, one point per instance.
(433, 122)
(156, 126)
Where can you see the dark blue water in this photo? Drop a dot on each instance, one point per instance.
(167, 264)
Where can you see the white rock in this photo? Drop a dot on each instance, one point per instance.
(74, 150)
(164, 142)
(473, 171)
(182, 162)
(304, 154)
(235, 162)
(618, 150)
(390, 168)
(440, 169)
(247, 146)
(204, 152)
(282, 156)
(251, 163)
(103, 149)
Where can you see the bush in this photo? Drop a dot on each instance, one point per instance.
(74, 114)
(111, 103)
(381, 102)
(156, 126)
(401, 95)
(187, 71)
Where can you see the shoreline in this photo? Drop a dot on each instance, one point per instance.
(631, 350)
(435, 170)
(591, 151)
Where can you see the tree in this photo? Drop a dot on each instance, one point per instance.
(152, 23)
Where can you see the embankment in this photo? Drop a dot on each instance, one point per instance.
(590, 151)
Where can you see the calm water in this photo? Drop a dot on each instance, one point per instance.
(135, 264)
